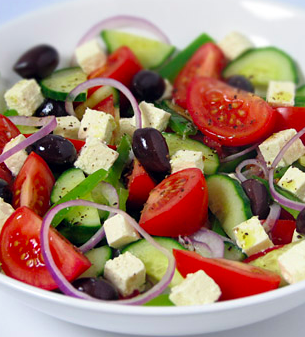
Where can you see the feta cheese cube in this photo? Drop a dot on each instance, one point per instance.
(5, 212)
(16, 161)
(272, 146)
(297, 236)
(67, 126)
(119, 232)
(90, 56)
(153, 117)
(281, 93)
(127, 126)
(234, 44)
(251, 237)
(25, 97)
(96, 124)
(292, 263)
(294, 181)
(195, 289)
(95, 155)
(126, 272)
(184, 159)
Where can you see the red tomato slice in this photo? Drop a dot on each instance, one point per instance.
(20, 251)
(230, 116)
(121, 65)
(33, 185)
(208, 61)
(290, 118)
(139, 186)
(235, 279)
(8, 130)
(282, 232)
(262, 253)
(5, 173)
(106, 105)
(177, 206)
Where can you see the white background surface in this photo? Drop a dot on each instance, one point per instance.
(18, 320)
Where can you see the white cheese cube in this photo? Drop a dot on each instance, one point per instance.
(195, 289)
(16, 161)
(95, 155)
(292, 263)
(127, 127)
(251, 237)
(184, 159)
(272, 146)
(25, 97)
(90, 56)
(126, 272)
(294, 181)
(67, 126)
(281, 93)
(153, 117)
(96, 124)
(5, 212)
(119, 232)
(234, 44)
(297, 236)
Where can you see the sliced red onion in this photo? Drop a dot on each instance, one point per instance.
(104, 81)
(247, 162)
(121, 21)
(194, 246)
(112, 197)
(48, 125)
(273, 216)
(298, 206)
(239, 154)
(66, 287)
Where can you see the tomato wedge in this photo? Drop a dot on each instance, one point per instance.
(235, 279)
(33, 185)
(282, 231)
(20, 251)
(207, 61)
(8, 130)
(5, 173)
(231, 116)
(177, 206)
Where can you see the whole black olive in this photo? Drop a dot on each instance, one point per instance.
(147, 85)
(300, 222)
(38, 62)
(150, 148)
(51, 107)
(240, 82)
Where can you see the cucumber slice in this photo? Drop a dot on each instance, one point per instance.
(228, 202)
(210, 157)
(151, 53)
(58, 85)
(98, 257)
(160, 301)
(261, 65)
(155, 262)
(233, 252)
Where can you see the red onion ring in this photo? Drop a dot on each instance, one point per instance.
(273, 216)
(65, 286)
(246, 162)
(48, 125)
(298, 206)
(199, 247)
(104, 81)
(239, 154)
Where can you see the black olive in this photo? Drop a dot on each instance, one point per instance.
(51, 107)
(300, 222)
(240, 82)
(147, 85)
(38, 62)
(5, 192)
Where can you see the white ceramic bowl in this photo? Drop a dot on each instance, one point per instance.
(62, 25)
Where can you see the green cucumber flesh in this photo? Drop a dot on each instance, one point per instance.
(228, 202)
(155, 262)
(261, 65)
(210, 157)
(98, 258)
(160, 301)
(60, 83)
(151, 53)
(233, 252)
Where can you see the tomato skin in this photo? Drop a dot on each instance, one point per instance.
(20, 251)
(235, 279)
(5, 173)
(282, 232)
(207, 61)
(262, 253)
(228, 115)
(33, 185)
(139, 186)
(8, 130)
(290, 118)
(106, 105)
(177, 206)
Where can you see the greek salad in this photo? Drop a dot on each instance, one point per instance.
(145, 175)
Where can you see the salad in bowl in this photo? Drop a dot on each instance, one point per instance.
(141, 174)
